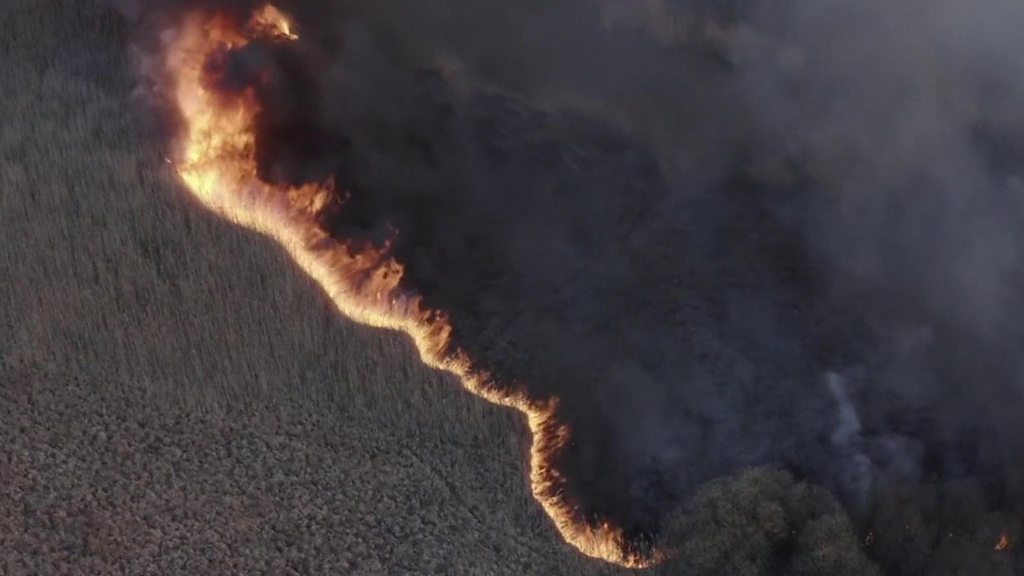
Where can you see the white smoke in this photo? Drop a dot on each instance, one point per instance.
(855, 475)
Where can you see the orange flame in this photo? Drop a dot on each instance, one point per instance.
(1004, 543)
(218, 166)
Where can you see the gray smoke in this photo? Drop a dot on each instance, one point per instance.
(678, 215)
(847, 440)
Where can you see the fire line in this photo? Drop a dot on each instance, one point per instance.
(218, 165)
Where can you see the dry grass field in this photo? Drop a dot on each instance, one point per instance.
(177, 398)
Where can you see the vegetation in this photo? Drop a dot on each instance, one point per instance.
(760, 523)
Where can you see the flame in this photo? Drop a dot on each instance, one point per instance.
(218, 165)
(269, 21)
(1004, 543)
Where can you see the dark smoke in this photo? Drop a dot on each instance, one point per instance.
(725, 233)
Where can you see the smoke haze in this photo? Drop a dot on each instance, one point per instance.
(723, 233)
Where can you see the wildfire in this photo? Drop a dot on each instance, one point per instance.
(272, 22)
(218, 166)
(1004, 543)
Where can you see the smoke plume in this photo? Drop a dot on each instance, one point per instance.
(723, 233)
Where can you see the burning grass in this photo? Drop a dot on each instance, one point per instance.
(218, 165)
(195, 348)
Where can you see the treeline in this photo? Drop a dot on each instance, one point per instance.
(764, 522)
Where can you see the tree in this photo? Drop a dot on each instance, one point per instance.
(762, 522)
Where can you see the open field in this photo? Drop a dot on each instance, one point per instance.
(177, 398)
